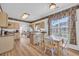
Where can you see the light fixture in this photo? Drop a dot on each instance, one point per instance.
(25, 15)
(52, 6)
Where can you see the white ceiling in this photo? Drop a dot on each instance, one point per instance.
(36, 10)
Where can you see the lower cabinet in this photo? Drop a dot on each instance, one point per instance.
(6, 43)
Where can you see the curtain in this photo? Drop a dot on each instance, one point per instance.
(71, 13)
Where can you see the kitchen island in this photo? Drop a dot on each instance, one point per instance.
(6, 43)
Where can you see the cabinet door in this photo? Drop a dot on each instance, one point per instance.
(13, 25)
(10, 25)
(3, 19)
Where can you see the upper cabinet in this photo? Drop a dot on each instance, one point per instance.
(3, 19)
(13, 25)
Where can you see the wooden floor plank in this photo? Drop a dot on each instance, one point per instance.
(24, 49)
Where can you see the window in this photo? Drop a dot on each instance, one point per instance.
(60, 27)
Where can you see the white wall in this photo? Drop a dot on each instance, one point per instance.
(24, 26)
(46, 25)
(77, 26)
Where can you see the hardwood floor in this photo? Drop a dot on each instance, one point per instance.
(22, 48)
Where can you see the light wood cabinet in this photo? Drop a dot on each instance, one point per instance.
(10, 25)
(3, 19)
(13, 25)
(6, 43)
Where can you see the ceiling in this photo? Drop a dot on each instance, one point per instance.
(36, 10)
